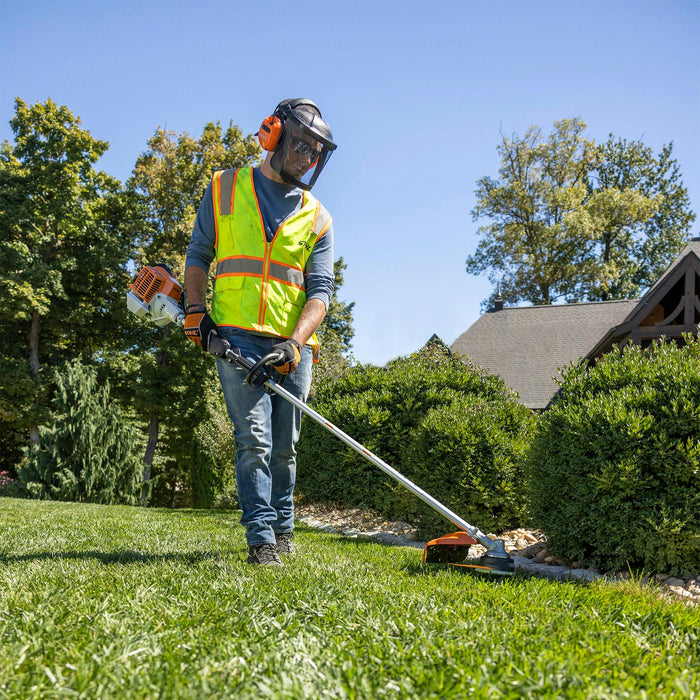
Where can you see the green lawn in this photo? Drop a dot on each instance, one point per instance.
(119, 602)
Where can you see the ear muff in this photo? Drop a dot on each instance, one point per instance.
(270, 132)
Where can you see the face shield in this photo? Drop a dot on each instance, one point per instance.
(305, 148)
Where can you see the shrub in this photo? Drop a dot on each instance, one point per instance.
(212, 472)
(426, 415)
(615, 467)
(89, 452)
(469, 455)
(8, 485)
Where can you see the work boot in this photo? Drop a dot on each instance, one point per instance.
(284, 542)
(264, 555)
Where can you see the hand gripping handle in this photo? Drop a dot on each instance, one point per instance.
(257, 376)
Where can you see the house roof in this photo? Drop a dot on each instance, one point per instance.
(527, 346)
(692, 247)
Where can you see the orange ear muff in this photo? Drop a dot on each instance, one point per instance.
(270, 132)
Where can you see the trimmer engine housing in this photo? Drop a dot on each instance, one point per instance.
(157, 295)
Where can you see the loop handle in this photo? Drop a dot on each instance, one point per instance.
(257, 376)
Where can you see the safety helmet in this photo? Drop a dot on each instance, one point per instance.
(301, 141)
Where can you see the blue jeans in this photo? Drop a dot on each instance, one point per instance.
(266, 429)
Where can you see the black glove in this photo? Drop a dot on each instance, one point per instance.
(290, 356)
(199, 325)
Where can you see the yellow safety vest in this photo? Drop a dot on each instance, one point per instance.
(259, 284)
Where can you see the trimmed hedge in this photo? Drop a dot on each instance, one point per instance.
(615, 467)
(469, 455)
(453, 429)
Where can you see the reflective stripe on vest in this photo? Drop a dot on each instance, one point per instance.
(259, 284)
(255, 268)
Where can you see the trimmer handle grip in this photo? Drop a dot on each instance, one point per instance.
(257, 376)
(218, 346)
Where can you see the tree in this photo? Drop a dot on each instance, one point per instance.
(173, 174)
(89, 450)
(63, 255)
(168, 375)
(336, 332)
(636, 252)
(570, 220)
(528, 246)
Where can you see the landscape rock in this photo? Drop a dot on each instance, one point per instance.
(682, 592)
(674, 582)
(541, 556)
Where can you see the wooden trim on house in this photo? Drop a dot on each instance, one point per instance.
(669, 309)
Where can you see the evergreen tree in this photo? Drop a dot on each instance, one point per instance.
(336, 332)
(88, 451)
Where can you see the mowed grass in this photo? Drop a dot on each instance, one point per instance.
(119, 602)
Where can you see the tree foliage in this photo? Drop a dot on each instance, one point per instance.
(172, 175)
(62, 255)
(88, 451)
(167, 376)
(569, 220)
(70, 239)
(336, 332)
(635, 253)
(212, 475)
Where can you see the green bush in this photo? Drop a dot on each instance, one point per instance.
(615, 467)
(440, 421)
(212, 472)
(89, 451)
(469, 455)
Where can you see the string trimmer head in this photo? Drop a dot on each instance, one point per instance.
(453, 549)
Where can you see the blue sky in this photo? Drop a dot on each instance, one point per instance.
(418, 95)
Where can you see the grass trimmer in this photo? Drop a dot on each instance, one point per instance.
(155, 294)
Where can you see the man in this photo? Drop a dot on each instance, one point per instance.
(273, 244)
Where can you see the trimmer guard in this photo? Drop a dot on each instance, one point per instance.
(448, 549)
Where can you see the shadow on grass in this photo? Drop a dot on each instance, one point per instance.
(422, 569)
(128, 556)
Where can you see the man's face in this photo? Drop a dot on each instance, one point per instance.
(302, 154)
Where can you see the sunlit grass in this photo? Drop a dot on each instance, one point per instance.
(107, 601)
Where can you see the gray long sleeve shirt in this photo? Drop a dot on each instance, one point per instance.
(277, 202)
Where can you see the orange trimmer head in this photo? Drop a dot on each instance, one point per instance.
(453, 549)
